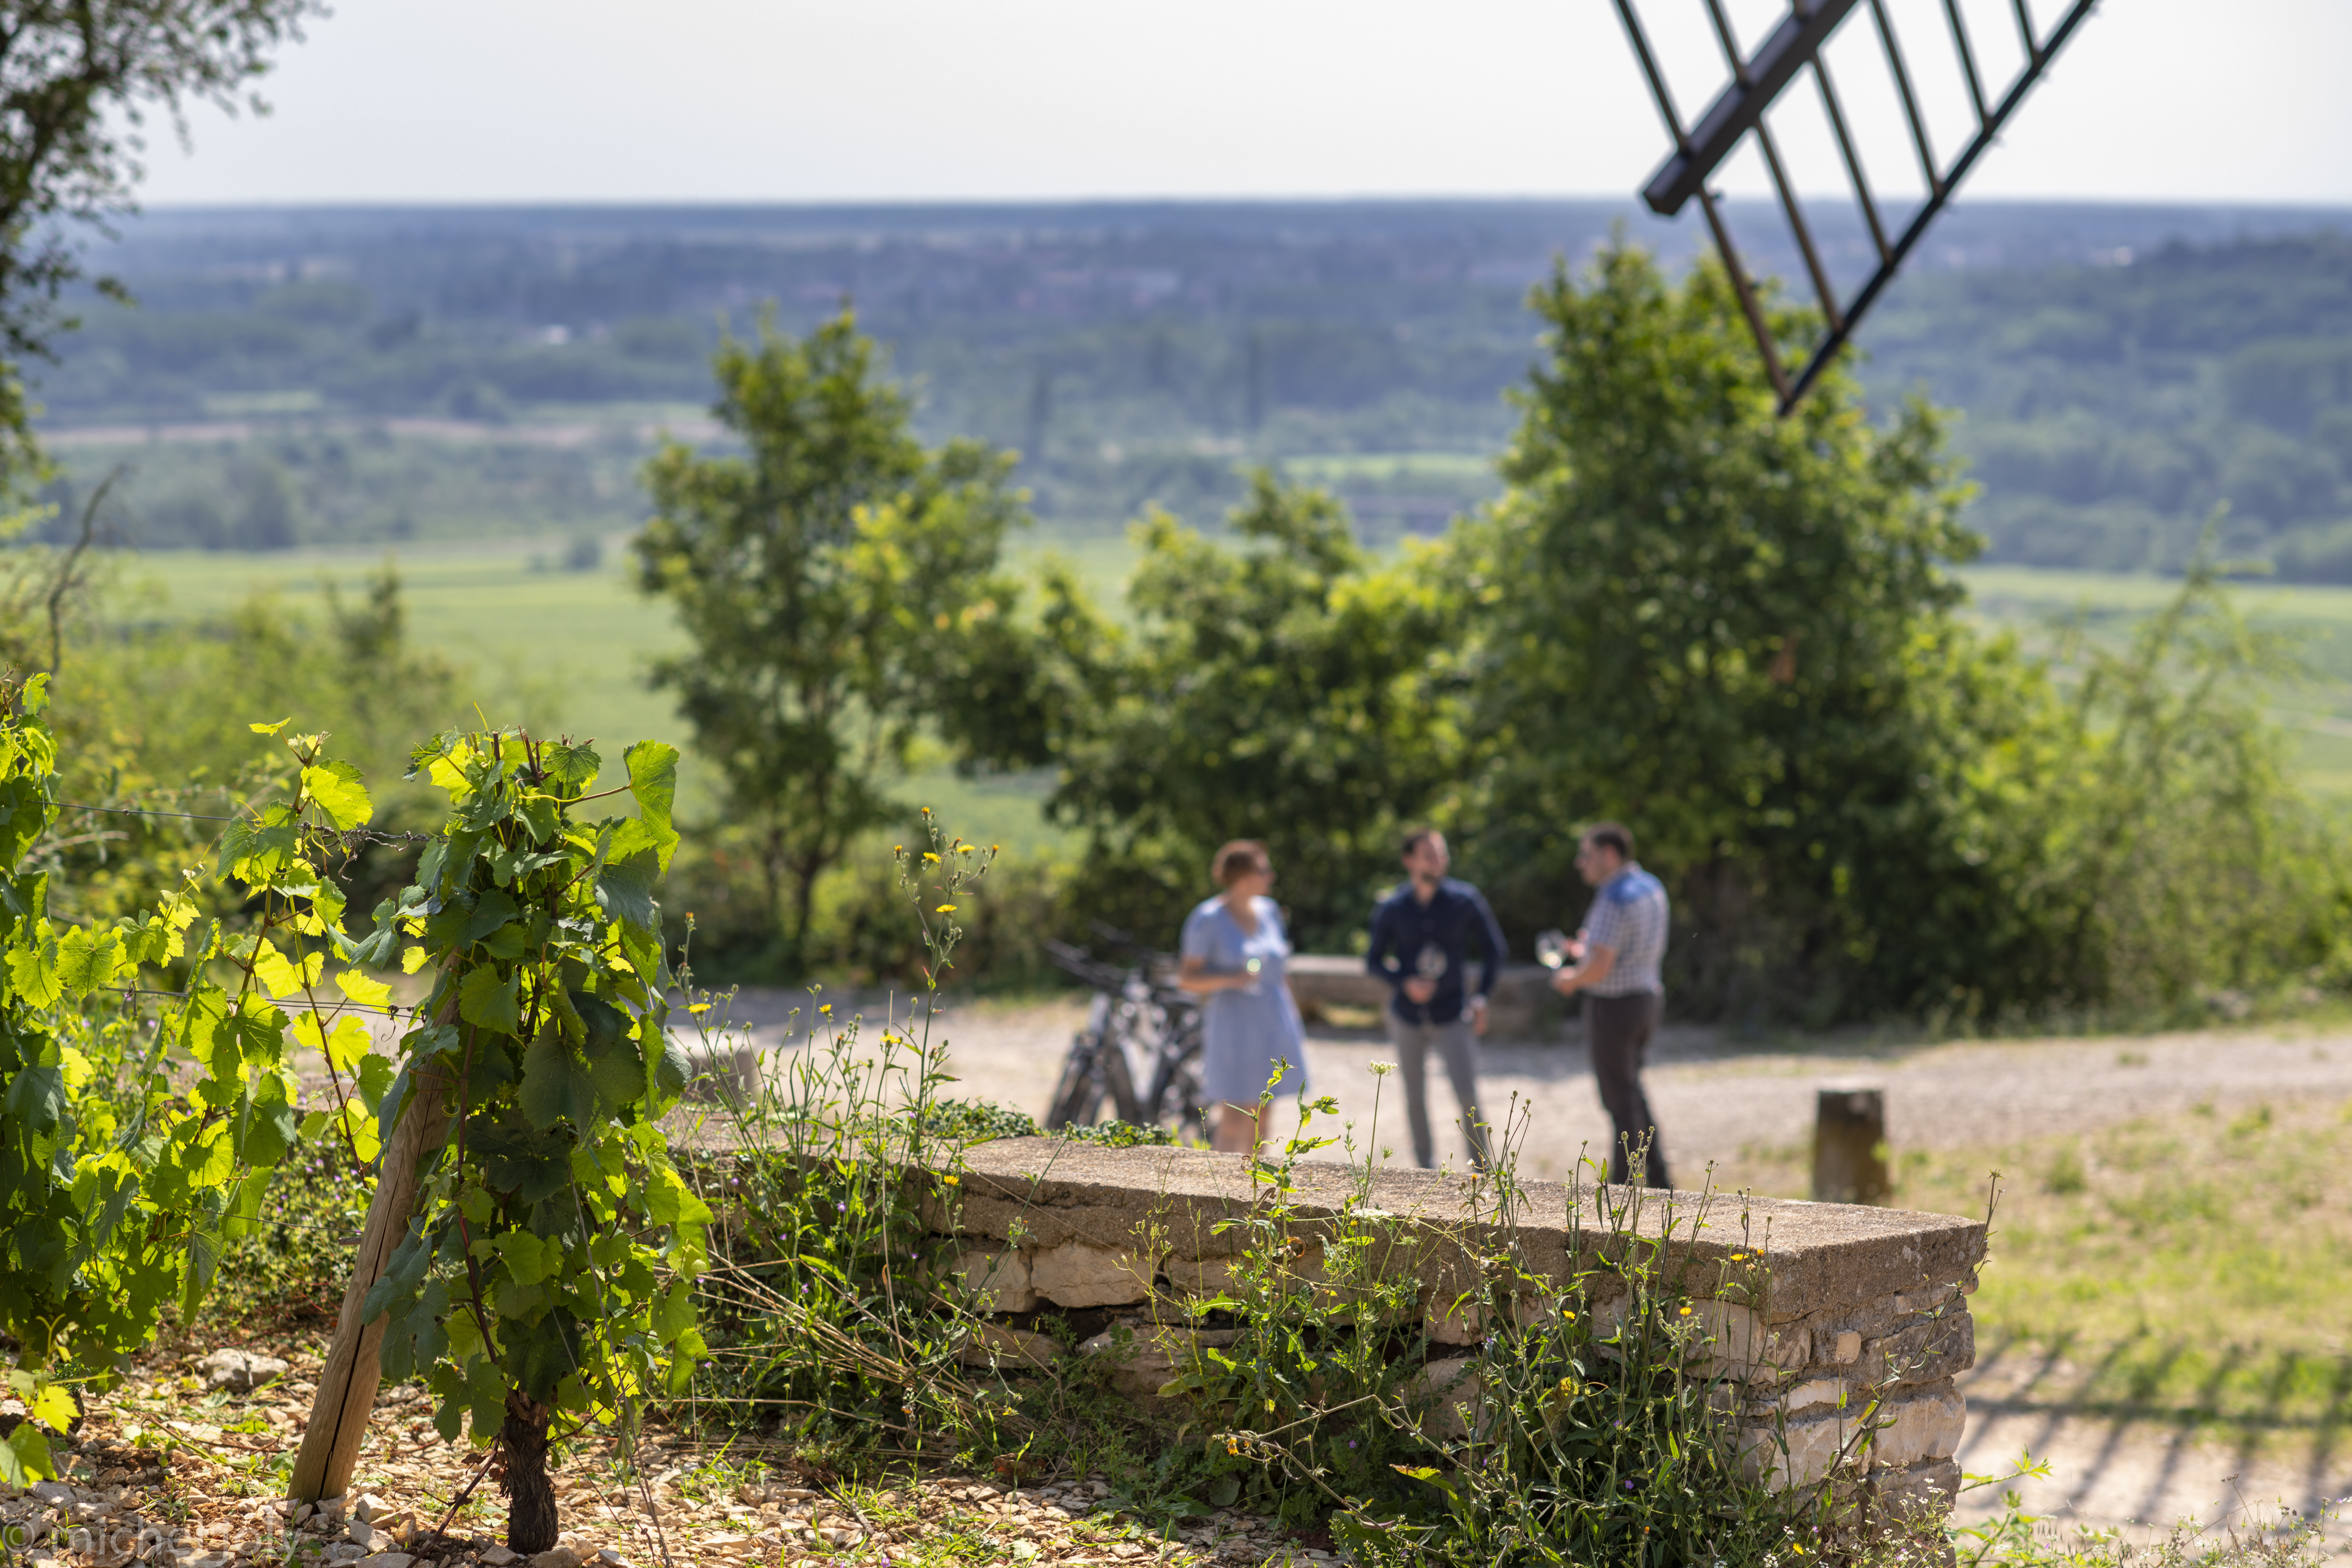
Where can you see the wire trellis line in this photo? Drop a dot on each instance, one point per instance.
(366, 833)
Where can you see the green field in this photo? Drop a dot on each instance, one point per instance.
(561, 651)
(2316, 621)
(567, 651)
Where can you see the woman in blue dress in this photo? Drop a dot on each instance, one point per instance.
(1234, 953)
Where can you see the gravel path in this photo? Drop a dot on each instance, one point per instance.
(1715, 1095)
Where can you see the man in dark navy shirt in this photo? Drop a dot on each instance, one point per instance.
(1419, 934)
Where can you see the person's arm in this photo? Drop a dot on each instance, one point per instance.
(1194, 975)
(1376, 957)
(1598, 959)
(1490, 937)
(1595, 949)
(1193, 971)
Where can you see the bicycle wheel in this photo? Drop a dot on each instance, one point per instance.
(1113, 1074)
(1080, 1094)
(1176, 1100)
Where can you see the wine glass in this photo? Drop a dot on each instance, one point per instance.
(1551, 949)
(1432, 964)
(1251, 967)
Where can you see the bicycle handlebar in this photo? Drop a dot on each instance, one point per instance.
(1101, 977)
(1086, 966)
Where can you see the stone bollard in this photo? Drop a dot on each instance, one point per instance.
(1850, 1147)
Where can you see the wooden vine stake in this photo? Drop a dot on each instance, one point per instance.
(347, 1387)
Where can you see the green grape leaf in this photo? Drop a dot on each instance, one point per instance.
(540, 1355)
(670, 1201)
(671, 1071)
(33, 968)
(507, 943)
(269, 1123)
(54, 1407)
(403, 1275)
(25, 1457)
(343, 1046)
(529, 1258)
(87, 960)
(485, 999)
(336, 790)
(613, 1062)
(413, 1336)
(555, 1086)
(266, 729)
(491, 910)
(673, 1313)
(531, 1165)
(575, 767)
(36, 1096)
(375, 1074)
(626, 889)
(543, 814)
(364, 989)
(280, 975)
(389, 1104)
(254, 850)
(653, 780)
(366, 1135)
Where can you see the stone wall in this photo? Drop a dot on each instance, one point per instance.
(1807, 1304)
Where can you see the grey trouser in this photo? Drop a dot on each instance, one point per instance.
(1459, 1044)
(1617, 1030)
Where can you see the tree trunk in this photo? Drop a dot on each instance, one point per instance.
(338, 1411)
(530, 1495)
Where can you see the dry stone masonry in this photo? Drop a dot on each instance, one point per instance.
(1844, 1326)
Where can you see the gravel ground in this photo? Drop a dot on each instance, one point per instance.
(1716, 1097)
(166, 1471)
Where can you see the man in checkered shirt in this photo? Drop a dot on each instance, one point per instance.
(1618, 953)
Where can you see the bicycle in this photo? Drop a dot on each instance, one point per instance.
(1136, 1016)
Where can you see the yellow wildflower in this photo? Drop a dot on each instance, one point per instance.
(944, 909)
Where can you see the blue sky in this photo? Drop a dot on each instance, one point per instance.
(416, 101)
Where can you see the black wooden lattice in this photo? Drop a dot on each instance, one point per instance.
(1757, 80)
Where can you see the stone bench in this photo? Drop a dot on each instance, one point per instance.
(1522, 1007)
(1812, 1306)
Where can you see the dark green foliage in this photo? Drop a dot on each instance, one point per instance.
(1735, 632)
(979, 1120)
(1288, 687)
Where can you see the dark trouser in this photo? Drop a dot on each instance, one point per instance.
(1457, 1045)
(1617, 1030)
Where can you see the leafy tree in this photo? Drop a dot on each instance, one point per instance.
(78, 81)
(2167, 857)
(834, 582)
(1738, 633)
(1290, 688)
